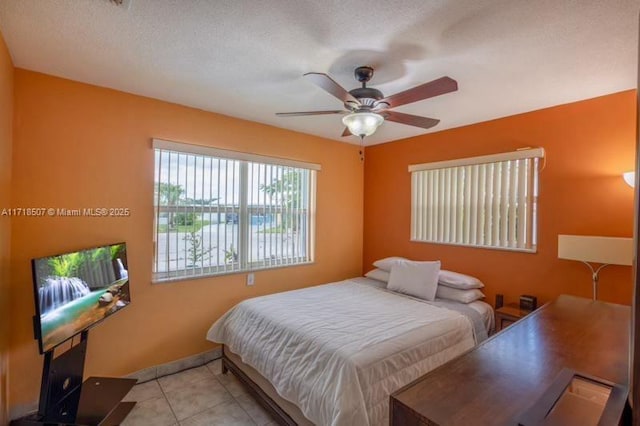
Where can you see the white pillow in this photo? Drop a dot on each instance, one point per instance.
(418, 279)
(458, 280)
(386, 263)
(462, 296)
(378, 274)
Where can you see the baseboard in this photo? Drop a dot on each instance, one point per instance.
(172, 367)
(22, 410)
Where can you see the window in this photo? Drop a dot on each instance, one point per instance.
(219, 211)
(488, 201)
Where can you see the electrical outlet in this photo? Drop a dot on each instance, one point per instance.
(250, 279)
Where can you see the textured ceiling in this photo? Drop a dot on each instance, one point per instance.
(246, 58)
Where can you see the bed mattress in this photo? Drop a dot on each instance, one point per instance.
(338, 351)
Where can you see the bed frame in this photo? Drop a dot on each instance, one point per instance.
(267, 398)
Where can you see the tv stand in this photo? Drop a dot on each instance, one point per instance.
(98, 404)
(100, 401)
(66, 399)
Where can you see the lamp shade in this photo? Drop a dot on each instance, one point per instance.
(630, 178)
(607, 250)
(362, 123)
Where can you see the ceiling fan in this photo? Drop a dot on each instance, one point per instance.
(367, 108)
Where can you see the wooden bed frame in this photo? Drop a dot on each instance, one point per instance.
(279, 414)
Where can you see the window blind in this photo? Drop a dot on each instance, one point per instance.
(218, 211)
(488, 201)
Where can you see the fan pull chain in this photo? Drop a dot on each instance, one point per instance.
(361, 147)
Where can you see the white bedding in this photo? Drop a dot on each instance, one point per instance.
(486, 312)
(339, 350)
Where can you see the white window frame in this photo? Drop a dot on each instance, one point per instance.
(488, 201)
(245, 211)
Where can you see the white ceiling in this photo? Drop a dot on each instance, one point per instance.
(246, 58)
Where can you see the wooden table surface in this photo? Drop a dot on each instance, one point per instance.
(505, 375)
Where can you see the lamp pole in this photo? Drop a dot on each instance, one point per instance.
(595, 276)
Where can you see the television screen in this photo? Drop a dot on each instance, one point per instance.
(73, 291)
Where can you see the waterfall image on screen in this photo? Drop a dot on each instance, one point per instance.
(76, 290)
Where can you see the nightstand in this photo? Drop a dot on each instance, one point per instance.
(508, 314)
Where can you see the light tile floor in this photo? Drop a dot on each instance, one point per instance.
(200, 396)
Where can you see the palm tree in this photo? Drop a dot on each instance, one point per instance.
(286, 188)
(169, 196)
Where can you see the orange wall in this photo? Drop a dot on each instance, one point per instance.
(79, 146)
(6, 125)
(588, 145)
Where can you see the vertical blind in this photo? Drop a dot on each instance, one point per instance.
(488, 201)
(219, 211)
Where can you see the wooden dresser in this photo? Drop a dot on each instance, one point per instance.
(502, 377)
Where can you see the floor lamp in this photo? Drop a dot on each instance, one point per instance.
(600, 250)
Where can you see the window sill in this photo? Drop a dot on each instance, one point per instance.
(514, 249)
(224, 273)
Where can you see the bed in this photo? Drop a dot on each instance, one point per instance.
(332, 354)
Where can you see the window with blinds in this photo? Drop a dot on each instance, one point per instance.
(488, 201)
(219, 211)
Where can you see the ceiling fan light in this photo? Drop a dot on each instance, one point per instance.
(362, 123)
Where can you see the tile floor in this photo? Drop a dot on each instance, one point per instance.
(200, 396)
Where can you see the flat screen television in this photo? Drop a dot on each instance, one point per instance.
(74, 291)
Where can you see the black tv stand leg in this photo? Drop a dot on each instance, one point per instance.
(66, 399)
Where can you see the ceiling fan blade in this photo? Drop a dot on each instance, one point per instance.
(424, 91)
(346, 132)
(411, 120)
(302, 113)
(328, 84)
